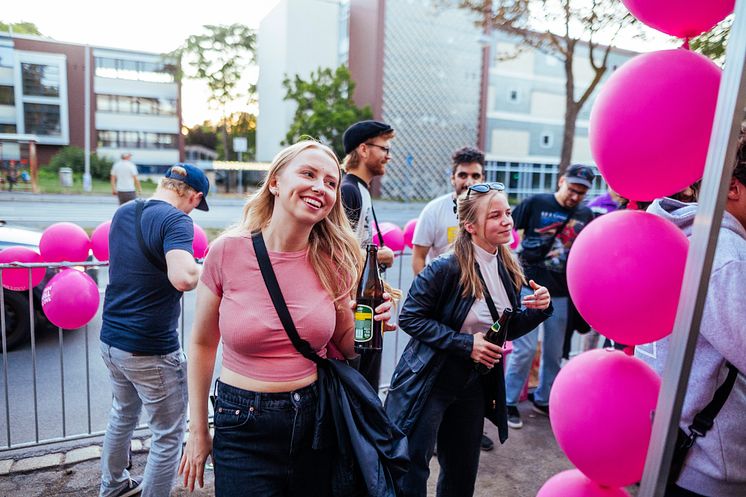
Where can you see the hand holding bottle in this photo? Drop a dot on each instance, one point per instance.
(484, 352)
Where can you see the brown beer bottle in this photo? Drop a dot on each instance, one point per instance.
(497, 334)
(368, 332)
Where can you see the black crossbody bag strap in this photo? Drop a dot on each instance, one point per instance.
(702, 423)
(487, 297)
(378, 228)
(273, 287)
(139, 206)
(560, 230)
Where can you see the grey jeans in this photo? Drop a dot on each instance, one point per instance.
(157, 383)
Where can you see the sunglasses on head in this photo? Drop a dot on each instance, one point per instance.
(485, 187)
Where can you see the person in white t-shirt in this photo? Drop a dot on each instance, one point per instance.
(124, 182)
(437, 226)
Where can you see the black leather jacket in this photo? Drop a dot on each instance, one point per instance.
(433, 314)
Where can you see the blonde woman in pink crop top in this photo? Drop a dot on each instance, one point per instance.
(266, 395)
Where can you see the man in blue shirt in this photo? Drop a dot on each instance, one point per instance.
(151, 263)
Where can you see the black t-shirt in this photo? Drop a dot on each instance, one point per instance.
(541, 216)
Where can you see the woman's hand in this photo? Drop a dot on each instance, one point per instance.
(485, 352)
(382, 312)
(539, 299)
(192, 466)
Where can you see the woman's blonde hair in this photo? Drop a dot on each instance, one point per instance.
(333, 250)
(463, 248)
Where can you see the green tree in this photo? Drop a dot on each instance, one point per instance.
(74, 157)
(202, 134)
(21, 28)
(325, 107)
(220, 56)
(556, 27)
(712, 43)
(239, 124)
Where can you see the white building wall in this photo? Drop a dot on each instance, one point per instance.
(295, 38)
(126, 122)
(141, 156)
(111, 86)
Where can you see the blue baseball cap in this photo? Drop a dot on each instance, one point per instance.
(195, 178)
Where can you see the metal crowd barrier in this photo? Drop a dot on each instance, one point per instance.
(39, 410)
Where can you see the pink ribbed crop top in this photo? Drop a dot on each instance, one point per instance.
(254, 342)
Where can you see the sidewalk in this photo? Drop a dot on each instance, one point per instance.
(518, 468)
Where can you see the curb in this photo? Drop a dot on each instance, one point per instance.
(62, 459)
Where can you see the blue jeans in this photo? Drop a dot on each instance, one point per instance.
(157, 383)
(454, 414)
(524, 348)
(262, 444)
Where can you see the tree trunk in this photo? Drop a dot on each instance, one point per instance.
(571, 109)
(568, 136)
(224, 135)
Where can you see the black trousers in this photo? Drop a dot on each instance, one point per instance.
(454, 415)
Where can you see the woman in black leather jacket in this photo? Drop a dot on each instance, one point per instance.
(435, 390)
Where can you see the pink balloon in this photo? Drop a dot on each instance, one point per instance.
(393, 237)
(70, 299)
(100, 241)
(17, 279)
(602, 405)
(573, 483)
(409, 232)
(200, 242)
(681, 18)
(64, 242)
(641, 115)
(516, 240)
(624, 274)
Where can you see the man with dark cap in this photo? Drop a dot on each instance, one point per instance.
(151, 264)
(368, 149)
(550, 222)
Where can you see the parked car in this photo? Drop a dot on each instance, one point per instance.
(17, 309)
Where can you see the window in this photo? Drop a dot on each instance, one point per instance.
(136, 70)
(41, 97)
(40, 80)
(7, 95)
(107, 139)
(137, 139)
(42, 119)
(7, 128)
(546, 140)
(136, 105)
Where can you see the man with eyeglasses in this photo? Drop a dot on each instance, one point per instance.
(550, 222)
(367, 147)
(437, 225)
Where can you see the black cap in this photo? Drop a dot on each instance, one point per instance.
(195, 178)
(362, 131)
(580, 175)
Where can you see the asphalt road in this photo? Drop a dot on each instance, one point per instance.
(36, 392)
(88, 211)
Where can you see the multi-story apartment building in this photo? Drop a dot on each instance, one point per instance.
(134, 101)
(419, 65)
(296, 38)
(525, 109)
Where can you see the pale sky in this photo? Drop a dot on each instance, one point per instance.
(152, 26)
